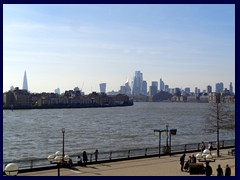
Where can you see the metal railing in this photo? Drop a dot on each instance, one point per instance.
(121, 154)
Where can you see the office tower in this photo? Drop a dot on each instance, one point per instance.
(166, 88)
(128, 88)
(144, 88)
(161, 85)
(196, 90)
(137, 83)
(154, 88)
(57, 91)
(209, 89)
(187, 90)
(102, 87)
(219, 87)
(231, 88)
(25, 84)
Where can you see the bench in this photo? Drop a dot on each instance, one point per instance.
(231, 152)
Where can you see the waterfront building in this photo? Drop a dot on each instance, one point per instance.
(152, 90)
(102, 87)
(25, 83)
(122, 90)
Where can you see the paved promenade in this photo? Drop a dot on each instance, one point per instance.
(163, 166)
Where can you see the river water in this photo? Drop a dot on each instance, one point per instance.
(37, 133)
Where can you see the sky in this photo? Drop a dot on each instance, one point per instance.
(83, 45)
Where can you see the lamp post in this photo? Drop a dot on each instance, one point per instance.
(167, 136)
(63, 131)
(11, 169)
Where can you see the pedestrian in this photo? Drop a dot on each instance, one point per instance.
(79, 160)
(208, 169)
(227, 170)
(210, 147)
(182, 159)
(96, 155)
(202, 147)
(193, 159)
(219, 171)
(85, 158)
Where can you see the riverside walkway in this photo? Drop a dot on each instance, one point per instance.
(153, 166)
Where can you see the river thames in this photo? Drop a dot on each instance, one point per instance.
(37, 133)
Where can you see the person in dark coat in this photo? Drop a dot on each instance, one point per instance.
(182, 159)
(208, 169)
(85, 158)
(219, 171)
(227, 170)
(96, 155)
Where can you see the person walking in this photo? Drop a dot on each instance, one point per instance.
(227, 170)
(219, 171)
(96, 155)
(182, 159)
(85, 158)
(202, 147)
(208, 169)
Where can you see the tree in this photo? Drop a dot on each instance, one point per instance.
(224, 114)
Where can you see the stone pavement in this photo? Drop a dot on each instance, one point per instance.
(163, 166)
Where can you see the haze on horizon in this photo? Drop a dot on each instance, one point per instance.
(65, 46)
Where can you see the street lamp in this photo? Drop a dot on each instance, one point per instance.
(11, 169)
(206, 156)
(63, 131)
(58, 159)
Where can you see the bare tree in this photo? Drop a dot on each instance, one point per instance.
(221, 115)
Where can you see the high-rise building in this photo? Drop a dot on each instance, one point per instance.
(57, 91)
(25, 84)
(166, 87)
(219, 87)
(196, 90)
(209, 89)
(128, 88)
(102, 87)
(144, 88)
(162, 87)
(137, 83)
(231, 88)
(187, 90)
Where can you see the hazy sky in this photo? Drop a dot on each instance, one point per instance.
(64, 46)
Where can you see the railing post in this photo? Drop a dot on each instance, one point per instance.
(128, 153)
(110, 157)
(185, 148)
(91, 157)
(146, 152)
(31, 166)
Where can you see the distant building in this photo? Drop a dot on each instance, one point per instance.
(187, 90)
(209, 89)
(231, 88)
(137, 83)
(166, 87)
(219, 87)
(162, 87)
(102, 87)
(57, 91)
(25, 83)
(128, 88)
(144, 88)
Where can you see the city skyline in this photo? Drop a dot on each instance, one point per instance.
(64, 46)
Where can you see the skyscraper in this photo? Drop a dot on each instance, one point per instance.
(161, 85)
(25, 84)
(137, 83)
(231, 88)
(102, 87)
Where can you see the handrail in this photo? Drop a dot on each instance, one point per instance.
(120, 154)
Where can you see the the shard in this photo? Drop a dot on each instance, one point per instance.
(25, 84)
